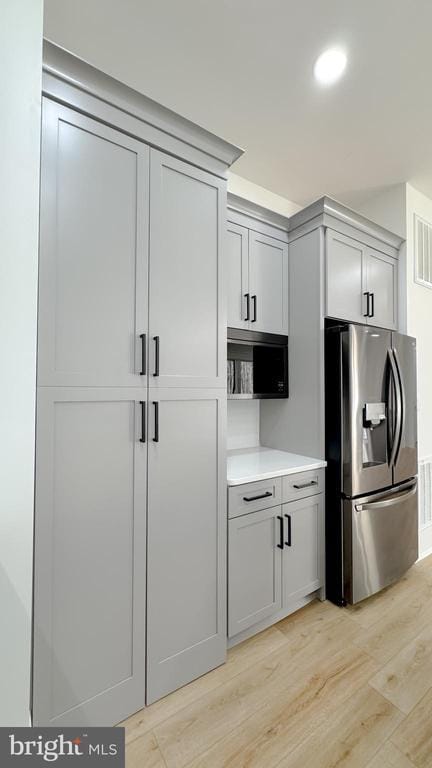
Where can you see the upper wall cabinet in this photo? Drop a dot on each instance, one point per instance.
(257, 273)
(361, 282)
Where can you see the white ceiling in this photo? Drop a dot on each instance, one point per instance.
(243, 69)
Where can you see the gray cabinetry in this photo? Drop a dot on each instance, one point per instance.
(344, 275)
(382, 283)
(302, 560)
(131, 249)
(186, 305)
(362, 282)
(237, 270)
(90, 545)
(257, 273)
(93, 252)
(254, 567)
(268, 283)
(186, 633)
(275, 553)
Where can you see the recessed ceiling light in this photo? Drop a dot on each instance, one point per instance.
(330, 66)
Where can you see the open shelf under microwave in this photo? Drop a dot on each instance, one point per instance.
(257, 365)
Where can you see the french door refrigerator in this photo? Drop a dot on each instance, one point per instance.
(371, 451)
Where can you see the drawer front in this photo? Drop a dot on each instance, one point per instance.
(251, 497)
(302, 484)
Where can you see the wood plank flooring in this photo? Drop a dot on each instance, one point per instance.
(324, 688)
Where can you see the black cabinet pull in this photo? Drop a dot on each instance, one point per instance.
(156, 424)
(143, 422)
(254, 299)
(372, 314)
(281, 532)
(156, 341)
(143, 338)
(255, 498)
(288, 542)
(247, 297)
(367, 294)
(305, 485)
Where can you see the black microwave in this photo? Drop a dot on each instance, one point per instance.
(257, 365)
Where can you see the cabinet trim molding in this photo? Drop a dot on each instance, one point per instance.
(253, 216)
(330, 213)
(72, 81)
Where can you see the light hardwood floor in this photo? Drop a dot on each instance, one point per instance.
(325, 687)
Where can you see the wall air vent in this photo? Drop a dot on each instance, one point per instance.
(423, 251)
(425, 492)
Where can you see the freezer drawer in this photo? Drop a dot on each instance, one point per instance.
(380, 540)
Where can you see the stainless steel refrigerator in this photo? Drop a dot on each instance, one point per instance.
(371, 450)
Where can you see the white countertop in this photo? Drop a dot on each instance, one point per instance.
(248, 465)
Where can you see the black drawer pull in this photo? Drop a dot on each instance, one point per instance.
(255, 498)
(372, 312)
(156, 341)
(143, 421)
(156, 423)
(288, 543)
(306, 485)
(254, 299)
(247, 297)
(143, 354)
(281, 532)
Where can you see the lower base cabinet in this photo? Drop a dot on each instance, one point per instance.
(275, 558)
(254, 569)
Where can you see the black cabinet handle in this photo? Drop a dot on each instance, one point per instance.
(143, 338)
(372, 314)
(281, 532)
(143, 422)
(254, 299)
(156, 422)
(255, 498)
(156, 341)
(247, 297)
(305, 485)
(288, 542)
(367, 294)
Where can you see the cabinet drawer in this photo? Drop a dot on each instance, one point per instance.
(251, 497)
(302, 484)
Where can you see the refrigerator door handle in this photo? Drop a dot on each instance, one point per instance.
(402, 403)
(398, 427)
(389, 502)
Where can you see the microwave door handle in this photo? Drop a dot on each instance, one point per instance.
(398, 408)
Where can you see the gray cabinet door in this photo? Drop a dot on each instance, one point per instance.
(187, 296)
(93, 252)
(344, 278)
(90, 554)
(186, 596)
(254, 567)
(237, 271)
(268, 283)
(302, 564)
(381, 273)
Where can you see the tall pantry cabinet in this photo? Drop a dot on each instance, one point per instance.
(130, 517)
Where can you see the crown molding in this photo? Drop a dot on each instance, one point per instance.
(72, 81)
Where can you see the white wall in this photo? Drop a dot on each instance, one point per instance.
(261, 196)
(20, 74)
(419, 324)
